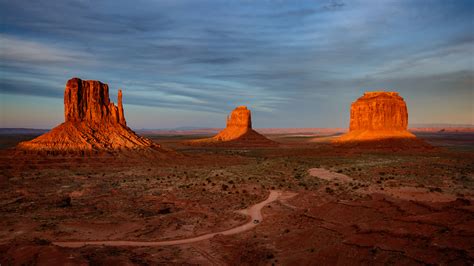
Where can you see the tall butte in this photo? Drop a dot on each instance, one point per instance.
(93, 123)
(378, 116)
(238, 131)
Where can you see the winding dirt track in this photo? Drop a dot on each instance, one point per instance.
(254, 212)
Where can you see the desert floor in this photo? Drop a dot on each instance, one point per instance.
(335, 204)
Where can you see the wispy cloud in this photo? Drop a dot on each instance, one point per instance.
(292, 61)
(16, 50)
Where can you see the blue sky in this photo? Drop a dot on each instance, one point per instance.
(189, 63)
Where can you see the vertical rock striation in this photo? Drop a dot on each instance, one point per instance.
(378, 115)
(88, 100)
(92, 123)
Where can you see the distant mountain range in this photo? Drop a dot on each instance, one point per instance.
(210, 131)
(304, 131)
(22, 131)
(440, 125)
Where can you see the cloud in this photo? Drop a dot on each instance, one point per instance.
(28, 87)
(18, 50)
(215, 61)
(330, 6)
(430, 62)
(292, 58)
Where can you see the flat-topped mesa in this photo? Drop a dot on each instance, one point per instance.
(379, 111)
(378, 115)
(238, 131)
(92, 123)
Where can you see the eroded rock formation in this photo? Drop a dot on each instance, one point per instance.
(239, 122)
(238, 131)
(378, 115)
(88, 100)
(92, 123)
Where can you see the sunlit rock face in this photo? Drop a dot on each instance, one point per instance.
(238, 131)
(378, 115)
(238, 123)
(88, 100)
(92, 123)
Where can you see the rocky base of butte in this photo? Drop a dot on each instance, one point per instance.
(378, 116)
(93, 123)
(238, 132)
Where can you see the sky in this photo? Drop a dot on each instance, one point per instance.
(189, 63)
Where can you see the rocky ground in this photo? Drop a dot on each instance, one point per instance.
(351, 206)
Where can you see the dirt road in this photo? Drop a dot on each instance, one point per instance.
(254, 212)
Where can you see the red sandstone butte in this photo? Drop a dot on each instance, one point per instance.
(377, 116)
(93, 123)
(239, 131)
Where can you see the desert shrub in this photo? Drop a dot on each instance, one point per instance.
(41, 241)
(64, 202)
(436, 189)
